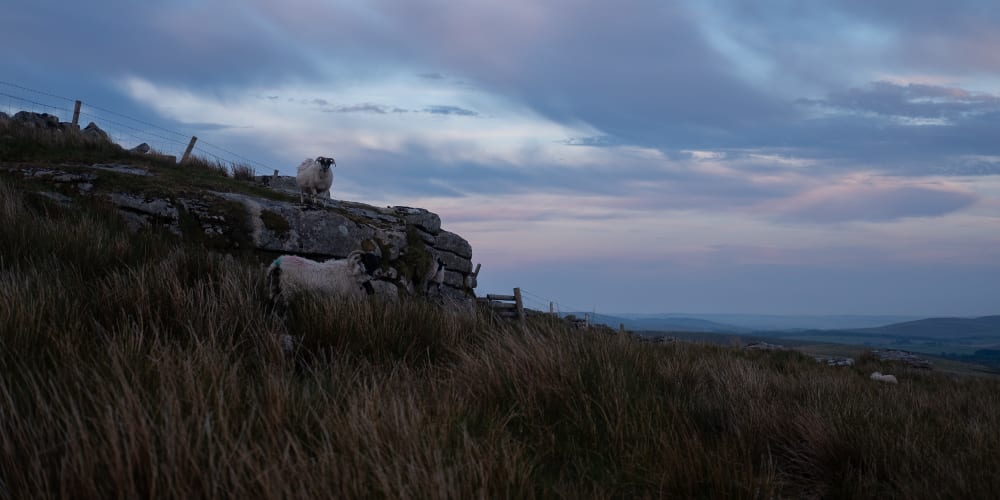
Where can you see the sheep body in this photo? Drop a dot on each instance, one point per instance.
(350, 277)
(314, 177)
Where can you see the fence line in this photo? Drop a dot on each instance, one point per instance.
(36, 103)
(47, 107)
(560, 307)
(512, 307)
(9, 84)
(116, 129)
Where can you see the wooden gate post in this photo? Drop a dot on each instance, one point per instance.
(187, 152)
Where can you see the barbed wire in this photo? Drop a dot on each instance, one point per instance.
(36, 103)
(137, 120)
(145, 133)
(245, 159)
(9, 84)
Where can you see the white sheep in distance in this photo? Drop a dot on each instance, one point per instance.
(349, 277)
(884, 378)
(314, 177)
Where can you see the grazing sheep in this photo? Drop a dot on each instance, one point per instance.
(348, 277)
(884, 378)
(314, 177)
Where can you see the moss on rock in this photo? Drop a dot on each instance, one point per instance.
(274, 222)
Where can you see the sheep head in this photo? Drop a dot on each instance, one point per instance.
(325, 162)
(371, 262)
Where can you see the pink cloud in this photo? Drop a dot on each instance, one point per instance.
(872, 200)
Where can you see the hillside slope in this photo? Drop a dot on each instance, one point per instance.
(941, 328)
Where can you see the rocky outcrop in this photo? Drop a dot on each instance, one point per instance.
(51, 123)
(409, 240)
(834, 360)
(40, 120)
(764, 346)
(904, 357)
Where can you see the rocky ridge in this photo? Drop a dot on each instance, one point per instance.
(241, 216)
(409, 240)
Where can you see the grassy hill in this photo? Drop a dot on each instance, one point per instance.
(942, 328)
(140, 365)
(664, 324)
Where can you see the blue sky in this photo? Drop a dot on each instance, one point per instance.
(787, 157)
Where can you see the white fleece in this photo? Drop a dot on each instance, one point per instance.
(314, 177)
(339, 277)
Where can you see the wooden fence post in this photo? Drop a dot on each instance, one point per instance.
(475, 273)
(520, 304)
(76, 113)
(552, 308)
(187, 152)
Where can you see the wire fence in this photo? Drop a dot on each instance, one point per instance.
(127, 131)
(541, 303)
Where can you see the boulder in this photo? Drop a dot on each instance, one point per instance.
(452, 261)
(37, 120)
(879, 377)
(904, 357)
(421, 218)
(451, 242)
(94, 133)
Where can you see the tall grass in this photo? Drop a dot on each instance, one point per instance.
(134, 366)
(242, 171)
(19, 143)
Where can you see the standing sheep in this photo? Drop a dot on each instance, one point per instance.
(314, 177)
(348, 277)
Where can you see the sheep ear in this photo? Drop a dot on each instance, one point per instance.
(371, 262)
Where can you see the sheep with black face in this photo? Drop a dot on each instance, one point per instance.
(315, 177)
(350, 277)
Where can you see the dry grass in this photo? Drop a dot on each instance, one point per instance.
(216, 167)
(243, 172)
(19, 142)
(131, 366)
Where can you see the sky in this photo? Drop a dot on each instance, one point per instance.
(641, 156)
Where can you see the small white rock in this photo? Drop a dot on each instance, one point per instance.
(891, 379)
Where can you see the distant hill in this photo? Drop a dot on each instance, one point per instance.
(666, 324)
(769, 322)
(941, 328)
